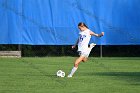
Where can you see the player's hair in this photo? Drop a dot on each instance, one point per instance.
(82, 24)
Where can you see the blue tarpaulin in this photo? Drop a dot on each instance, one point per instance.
(54, 22)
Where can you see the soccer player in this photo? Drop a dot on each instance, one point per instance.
(83, 49)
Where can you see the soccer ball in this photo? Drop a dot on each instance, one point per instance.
(60, 73)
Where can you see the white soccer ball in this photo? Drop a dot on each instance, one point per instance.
(60, 73)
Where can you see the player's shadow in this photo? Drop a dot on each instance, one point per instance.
(132, 78)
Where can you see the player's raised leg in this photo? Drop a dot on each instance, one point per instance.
(88, 52)
(91, 46)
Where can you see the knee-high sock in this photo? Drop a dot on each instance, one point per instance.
(89, 49)
(73, 71)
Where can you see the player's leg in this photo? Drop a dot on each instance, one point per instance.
(76, 63)
(78, 60)
(86, 54)
(91, 46)
(85, 59)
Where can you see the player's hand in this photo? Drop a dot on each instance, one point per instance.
(102, 33)
(73, 47)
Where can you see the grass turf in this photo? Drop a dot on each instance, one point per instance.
(98, 75)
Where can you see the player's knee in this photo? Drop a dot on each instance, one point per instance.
(75, 64)
(84, 60)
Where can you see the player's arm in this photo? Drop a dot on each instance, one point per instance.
(97, 35)
(75, 44)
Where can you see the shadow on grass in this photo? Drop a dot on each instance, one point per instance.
(133, 78)
(118, 74)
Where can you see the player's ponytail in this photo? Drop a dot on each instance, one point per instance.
(82, 24)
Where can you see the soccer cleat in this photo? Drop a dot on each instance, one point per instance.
(92, 45)
(69, 76)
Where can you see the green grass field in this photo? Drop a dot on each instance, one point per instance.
(98, 75)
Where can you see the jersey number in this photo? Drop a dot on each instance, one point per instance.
(82, 37)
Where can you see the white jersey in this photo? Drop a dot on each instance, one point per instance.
(84, 39)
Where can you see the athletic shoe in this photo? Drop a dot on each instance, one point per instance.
(92, 45)
(69, 76)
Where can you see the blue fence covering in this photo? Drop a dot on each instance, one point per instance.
(54, 22)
